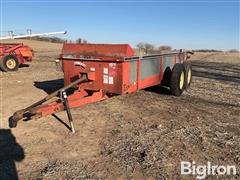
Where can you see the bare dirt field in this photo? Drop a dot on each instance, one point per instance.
(144, 135)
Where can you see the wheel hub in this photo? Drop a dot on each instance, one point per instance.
(11, 64)
(181, 83)
(189, 76)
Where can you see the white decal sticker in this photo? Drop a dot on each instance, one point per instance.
(110, 80)
(92, 69)
(105, 79)
(105, 70)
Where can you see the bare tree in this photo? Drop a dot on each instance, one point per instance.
(164, 48)
(79, 41)
(149, 48)
(146, 47)
(140, 45)
(85, 41)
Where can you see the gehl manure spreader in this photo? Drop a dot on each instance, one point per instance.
(99, 71)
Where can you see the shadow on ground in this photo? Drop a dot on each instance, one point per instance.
(159, 90)
(23, 65)
(49, 86)
(10, 151)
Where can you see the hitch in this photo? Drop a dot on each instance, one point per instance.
(31, 111)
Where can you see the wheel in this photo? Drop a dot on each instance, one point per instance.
(177, 79)
(188, 74)
(166, 77)
(9, 63)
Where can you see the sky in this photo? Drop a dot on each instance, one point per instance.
(187, 24)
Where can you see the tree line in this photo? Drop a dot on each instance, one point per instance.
(143, 48)
(59, 40)
(147, 48)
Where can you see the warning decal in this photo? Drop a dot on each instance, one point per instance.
(109, 73)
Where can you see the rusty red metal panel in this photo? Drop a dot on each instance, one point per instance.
(123, 50)
(108, 75)
(112, 76)
(108, 71)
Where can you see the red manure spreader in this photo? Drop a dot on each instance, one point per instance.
(13, 55)
(100, 71)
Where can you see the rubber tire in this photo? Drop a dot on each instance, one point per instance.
(187, 67)
(3, 65)
(175, 79)
(166, 77)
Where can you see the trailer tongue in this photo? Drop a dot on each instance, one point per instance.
(100, 71)
(31, 111)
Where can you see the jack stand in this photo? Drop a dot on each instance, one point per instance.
(66, 105)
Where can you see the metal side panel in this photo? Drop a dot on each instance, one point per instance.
(177, 59)
(149, 66)
(133, 71)
(168, 61)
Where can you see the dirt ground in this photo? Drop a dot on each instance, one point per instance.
(144, 135)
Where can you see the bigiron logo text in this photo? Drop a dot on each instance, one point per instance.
(202, 171)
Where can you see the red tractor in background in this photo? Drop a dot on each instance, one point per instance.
(13, 55)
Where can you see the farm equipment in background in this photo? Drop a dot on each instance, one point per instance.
(14, 54)
(100, 71)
